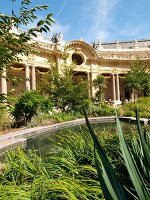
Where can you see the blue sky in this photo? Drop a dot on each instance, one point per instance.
(93, 20)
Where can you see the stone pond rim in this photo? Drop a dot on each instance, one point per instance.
(13, 139)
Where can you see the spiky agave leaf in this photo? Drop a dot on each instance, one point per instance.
(132, 167)
(110, 181)
(145, 147)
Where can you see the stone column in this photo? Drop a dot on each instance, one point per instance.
(3, 82)
(114, 87)
(33, 78)
(27, 77)
(118, 87)
(92, 88)
(89, 84)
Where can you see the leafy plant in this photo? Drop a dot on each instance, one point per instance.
(65, 116)
(110, 184)
(66, 92)
(138, 79)
(143, 105)
(66, 172)
(101, 111)
(135, 161)
(27, 106)
(5, 118)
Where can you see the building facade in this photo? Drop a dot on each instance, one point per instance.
(112, 60)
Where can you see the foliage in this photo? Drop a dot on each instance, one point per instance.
(41, 119)
(14, 44)
(65, 116)
(65, 172)
(138, 79)
(99, 84)
(141, 149)
(144, 100)
(53, 117)
(110, 185)
(67, 93)
(27, 106)
(46, 105)
(141, 152)
(136, 159)
(101, 111)
(143, 105)
(5, 118)
(106, 134)
(65, 168)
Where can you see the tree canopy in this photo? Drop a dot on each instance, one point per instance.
(14, 44)
(138, 78)
(66, 92)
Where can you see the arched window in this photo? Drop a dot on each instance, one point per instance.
(77, 59)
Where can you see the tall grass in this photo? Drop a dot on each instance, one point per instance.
(66, 172)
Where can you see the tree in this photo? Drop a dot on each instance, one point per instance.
(66, 92)
(138, 79)
(99, 84)
(11, 44)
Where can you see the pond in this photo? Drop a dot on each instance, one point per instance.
(45, 143)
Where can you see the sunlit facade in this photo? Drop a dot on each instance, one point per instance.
(112, 60)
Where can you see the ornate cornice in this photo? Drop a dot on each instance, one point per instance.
(46, 52)
(116, 62)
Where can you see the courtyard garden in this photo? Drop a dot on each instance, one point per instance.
(88, 162)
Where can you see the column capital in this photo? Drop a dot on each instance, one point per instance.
(29, 65)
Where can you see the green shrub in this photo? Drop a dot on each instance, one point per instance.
(101, 111)
(41, 119)
(143, 105)
(27, 106)
(129, 113)
(5, 118)
(65, 116)
(144, 100)
(105, 110)
(46, 105)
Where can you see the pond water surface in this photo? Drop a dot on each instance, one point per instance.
(44, 143)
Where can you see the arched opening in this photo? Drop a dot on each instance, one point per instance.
(77, 59)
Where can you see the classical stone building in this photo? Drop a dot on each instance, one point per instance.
(112, 60)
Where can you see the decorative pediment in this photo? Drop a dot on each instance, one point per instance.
(81, 46)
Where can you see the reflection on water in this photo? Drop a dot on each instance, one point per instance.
(45, 143)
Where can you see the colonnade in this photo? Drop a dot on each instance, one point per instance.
(27, 79)
(115, 86)
(31, 69)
